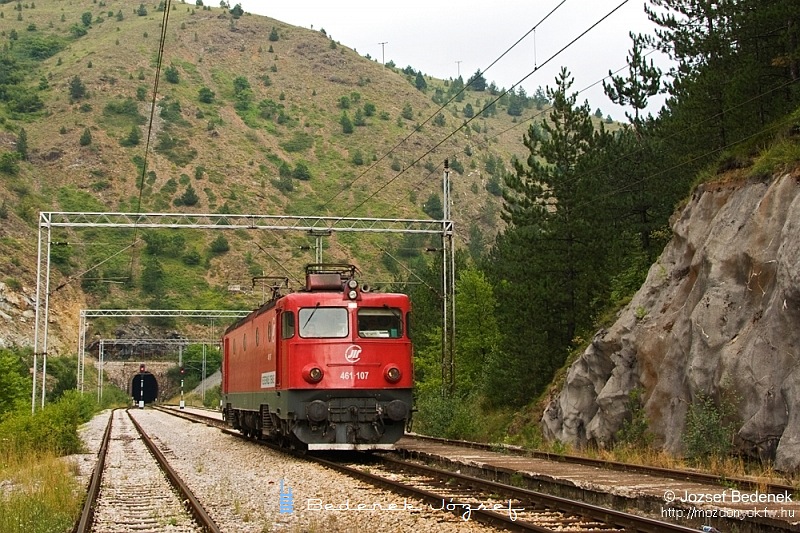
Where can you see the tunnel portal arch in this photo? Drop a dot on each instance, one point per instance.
(144, 387)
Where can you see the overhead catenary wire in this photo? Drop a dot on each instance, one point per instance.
(634, 152)
(487, 106)
(394, 148)
(159, 62)
(425, 179)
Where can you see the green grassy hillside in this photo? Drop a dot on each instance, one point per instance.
(251, 116)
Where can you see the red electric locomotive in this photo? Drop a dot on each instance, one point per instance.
(327, 368)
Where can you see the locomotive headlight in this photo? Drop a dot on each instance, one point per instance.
(352, 284)
(313, 374)
(392, 374)
(352, 294)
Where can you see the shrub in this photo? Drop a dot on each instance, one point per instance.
(301, 171)
(220, 245)
(125, 107)
(709, 431)
(206, 95)
(52, 429)
(299, 142)
(172, 75)
(635, 430)
(9, 163)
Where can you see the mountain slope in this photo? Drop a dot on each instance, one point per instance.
(248, 118)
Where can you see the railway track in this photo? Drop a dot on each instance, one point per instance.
(133, 488)
(403, 450)
(745, 484)
(492, 503)
(470, 498)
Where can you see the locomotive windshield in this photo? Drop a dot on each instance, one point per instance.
(323, 322)
(380, 322)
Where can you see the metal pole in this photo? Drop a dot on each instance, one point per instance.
(446, 363)
(46, 314)
(81, 349)
(100, 358)
(383, 54)
(38, 314)
(203, 389)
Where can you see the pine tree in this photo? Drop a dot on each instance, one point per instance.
(86, 137)
(477, 82)
(550, 257)
(22, 144)
(77, 90)
(347, 124)
(642, 82)
(420, 83)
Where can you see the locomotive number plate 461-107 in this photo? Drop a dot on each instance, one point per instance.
(354, 375)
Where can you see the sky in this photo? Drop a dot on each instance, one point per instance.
(445, 39)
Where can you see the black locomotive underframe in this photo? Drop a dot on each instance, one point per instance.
(354, 418)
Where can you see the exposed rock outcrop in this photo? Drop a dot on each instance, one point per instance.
(720, 310)
(17, 316)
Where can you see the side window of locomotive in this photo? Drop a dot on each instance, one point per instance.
(382, 322)
(323, 322)
(287, 325)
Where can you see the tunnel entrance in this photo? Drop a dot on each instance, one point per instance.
(144, 387)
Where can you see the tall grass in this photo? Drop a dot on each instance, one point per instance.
(38, 493)
(38, 488)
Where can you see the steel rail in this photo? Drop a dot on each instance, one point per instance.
(681, 475)
(485, 516)
(608, 516)
(538, 499)
(84, 524)
(190, 500)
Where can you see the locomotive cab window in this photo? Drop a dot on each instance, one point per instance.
(323, 322)
(380, 322)
(287, 325)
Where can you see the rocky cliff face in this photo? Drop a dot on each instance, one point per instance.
(18, 318)
(719, 311)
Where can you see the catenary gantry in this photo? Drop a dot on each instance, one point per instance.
(310, 224)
